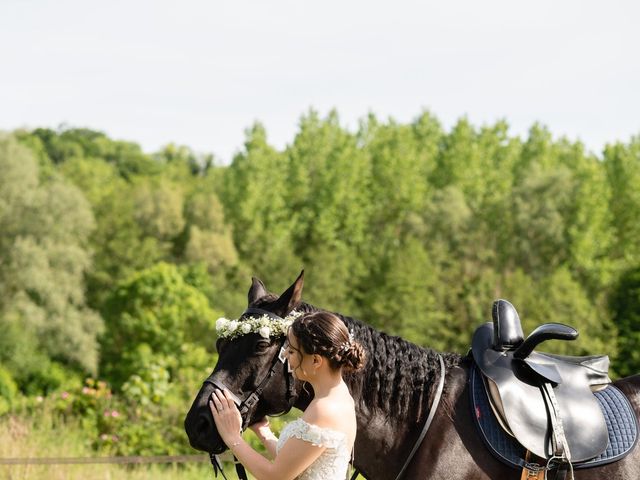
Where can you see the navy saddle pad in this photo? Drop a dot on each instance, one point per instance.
(622, 426)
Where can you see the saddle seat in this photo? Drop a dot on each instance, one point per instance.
(516, 378)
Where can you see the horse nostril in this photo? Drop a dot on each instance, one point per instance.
(204, 424)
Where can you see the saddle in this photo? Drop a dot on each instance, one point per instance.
(545, 401)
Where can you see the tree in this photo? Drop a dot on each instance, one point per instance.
(152, 314)
(622, 164)
(44, 231)
(625, 305)
(253, 196)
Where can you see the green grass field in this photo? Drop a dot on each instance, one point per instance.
(46, 436)
(21, 438)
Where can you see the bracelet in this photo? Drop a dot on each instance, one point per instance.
(235, 444)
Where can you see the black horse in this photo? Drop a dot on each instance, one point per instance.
(393, 393)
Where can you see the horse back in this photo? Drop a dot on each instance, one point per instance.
(630, 386)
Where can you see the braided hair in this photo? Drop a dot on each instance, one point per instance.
(323, 333)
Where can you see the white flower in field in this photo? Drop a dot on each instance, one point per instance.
(221, 324)
(264, 332)
(233, 326)
(246, 327)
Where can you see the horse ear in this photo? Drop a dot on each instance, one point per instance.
(257, 290)
(291, 297)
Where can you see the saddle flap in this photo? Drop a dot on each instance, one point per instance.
(546, 369)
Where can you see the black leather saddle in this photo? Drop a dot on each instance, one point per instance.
(545, 401)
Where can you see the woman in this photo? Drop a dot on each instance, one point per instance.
(318, 445)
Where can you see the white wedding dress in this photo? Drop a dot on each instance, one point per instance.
(333, 463)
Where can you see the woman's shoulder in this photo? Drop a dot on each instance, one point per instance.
(335, 414)
(315, 434)
(330, 412)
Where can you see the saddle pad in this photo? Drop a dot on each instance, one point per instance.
(621, 422)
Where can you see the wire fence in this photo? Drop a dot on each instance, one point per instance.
(122, 460)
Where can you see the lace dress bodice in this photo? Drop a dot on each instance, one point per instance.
(333, 463)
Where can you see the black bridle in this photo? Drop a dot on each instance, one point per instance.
(250, 401)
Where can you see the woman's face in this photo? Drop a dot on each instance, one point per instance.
(298, 360)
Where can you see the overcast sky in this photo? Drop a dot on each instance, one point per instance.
(199, 72)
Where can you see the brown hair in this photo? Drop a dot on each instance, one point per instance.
(325, 334)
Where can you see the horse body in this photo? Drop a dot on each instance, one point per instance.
(393, 396)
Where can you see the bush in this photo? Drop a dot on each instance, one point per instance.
(8, 388)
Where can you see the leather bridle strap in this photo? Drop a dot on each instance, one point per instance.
(434, 407)
(249, 402)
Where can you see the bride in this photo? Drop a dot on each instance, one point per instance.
(318, 445)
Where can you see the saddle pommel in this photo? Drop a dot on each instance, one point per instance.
(548, 331)
(507, 331)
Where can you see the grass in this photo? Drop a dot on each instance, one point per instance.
(48, 436)
(44, 437)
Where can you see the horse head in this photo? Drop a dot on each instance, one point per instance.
(250, 365)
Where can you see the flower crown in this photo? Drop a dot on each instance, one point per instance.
(264, 325)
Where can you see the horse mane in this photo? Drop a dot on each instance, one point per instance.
(397, 376)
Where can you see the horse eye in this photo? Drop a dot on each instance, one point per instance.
(262, 346)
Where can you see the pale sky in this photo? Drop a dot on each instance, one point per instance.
(198, 73)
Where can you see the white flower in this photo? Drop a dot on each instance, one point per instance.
(264, 332)
(221, 324)
(263, 325)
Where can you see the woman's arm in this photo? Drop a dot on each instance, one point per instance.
(294, 457)
(266, 436)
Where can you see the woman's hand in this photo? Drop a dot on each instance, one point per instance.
(260, 425)
(262, 429)
(226, 415)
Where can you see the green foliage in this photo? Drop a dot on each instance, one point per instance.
(8, 390)
(44, 230)
(625, 304)
(409, 227)
(622, 165)
(152, 313)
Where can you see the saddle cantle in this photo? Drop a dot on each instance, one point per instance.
(544, 399)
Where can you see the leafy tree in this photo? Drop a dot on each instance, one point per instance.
(625, 305)
(253, 196)
(622, 164)
(153, 313)
(44, 231)
(207, 238)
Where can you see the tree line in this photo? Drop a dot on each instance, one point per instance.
(115, 263)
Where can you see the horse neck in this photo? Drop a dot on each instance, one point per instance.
(398, 379)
